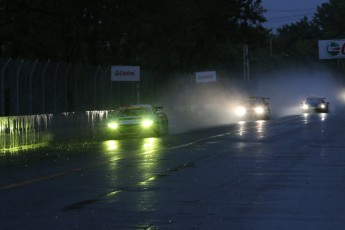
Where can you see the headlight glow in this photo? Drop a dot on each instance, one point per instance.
(241, 111)
(113, 125)
(305, 106)
(259, 110)
(147, 123)
(322, 106)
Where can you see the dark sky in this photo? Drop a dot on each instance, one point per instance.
(281, 12)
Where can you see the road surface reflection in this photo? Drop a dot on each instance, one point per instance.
(307, 117)
(141, 145)
(258, 128)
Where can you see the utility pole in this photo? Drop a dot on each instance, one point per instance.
(246, 75)
(271, 47)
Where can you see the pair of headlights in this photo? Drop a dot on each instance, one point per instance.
(241, 111)
(147, 123)
(306, 106)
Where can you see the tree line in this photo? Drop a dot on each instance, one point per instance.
(169, 36)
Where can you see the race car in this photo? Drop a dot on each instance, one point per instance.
(315, 104)
(143, 120)
(253, 108)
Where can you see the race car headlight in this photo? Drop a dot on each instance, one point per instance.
(305, 106)
(322, 106)
(259, 110)
(241, 111)
(147, 123)
(113, 125)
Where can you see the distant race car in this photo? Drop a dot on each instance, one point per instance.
(315, 104)
(254, 108)
(142, 120)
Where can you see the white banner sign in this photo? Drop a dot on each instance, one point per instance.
(205, 77)
(331, 49)
(125, 73)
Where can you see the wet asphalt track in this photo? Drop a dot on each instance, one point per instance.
(286, 173)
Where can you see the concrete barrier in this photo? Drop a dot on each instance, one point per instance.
(25, 131)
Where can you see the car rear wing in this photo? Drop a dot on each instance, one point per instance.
(266, 99)
(159, 109)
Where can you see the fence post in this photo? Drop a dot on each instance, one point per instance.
(66, 86)
(17, 83)
(30, 84)
(95, 88)
(55, 93)
(86, 84)
(138, 93)
(76, 104)
(43, 85)
(3, 87)
(103, 90)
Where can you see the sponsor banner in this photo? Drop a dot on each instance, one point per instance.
(331, 49)
(125, 73)
(205, 77)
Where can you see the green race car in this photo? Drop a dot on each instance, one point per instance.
(142, 120)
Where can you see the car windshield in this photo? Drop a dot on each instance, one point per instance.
(133, 112)
(252, 101)
(314, 100)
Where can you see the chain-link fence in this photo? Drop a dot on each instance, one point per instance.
(41, 87)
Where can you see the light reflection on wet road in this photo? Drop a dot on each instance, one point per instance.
(285, 173)
(257, 126)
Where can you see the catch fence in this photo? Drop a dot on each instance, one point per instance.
(42, 86)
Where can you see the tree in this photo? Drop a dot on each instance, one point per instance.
(330, 19)
(165, 35)
(298, 40)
